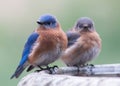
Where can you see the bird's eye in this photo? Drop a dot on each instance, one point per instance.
(90, 26)
(80, 26)
(47, 23)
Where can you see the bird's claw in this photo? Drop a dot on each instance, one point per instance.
(38, 70)
(83, 65)
(55, 66)
(90, 65)
(50, 69)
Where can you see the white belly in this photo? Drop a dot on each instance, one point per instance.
(48, 57)
(89, 55)
(85, 57)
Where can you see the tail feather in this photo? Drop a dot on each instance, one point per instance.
(18, 71)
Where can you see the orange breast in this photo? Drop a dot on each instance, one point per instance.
(84, 45)
(48, 41)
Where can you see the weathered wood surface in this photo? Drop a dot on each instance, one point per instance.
(42, 79)
(93, 76)
(96, 70)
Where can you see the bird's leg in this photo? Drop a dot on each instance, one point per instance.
(51, 69)
(77, 67)
(89, 65)
(84, 65)
(55, 66)
(47, 67)
(39, 69)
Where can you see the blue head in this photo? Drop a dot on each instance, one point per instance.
(48, 21)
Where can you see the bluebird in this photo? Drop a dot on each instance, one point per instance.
(44, 46)
(84, 43)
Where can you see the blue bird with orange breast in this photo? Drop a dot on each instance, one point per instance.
(45, 45)
(84, 43)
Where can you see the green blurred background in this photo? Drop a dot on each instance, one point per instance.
(18, 20)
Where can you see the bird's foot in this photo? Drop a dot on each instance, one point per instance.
(41, 69)
(38, 70)
(77, 67)
(55, 66)
(84, 65)
(52, 69)
(90, 65)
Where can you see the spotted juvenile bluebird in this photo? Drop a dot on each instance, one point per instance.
(84, 43)
(45, 45)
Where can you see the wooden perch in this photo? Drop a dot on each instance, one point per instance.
(97, 70)
(60, 76)
(89, 70)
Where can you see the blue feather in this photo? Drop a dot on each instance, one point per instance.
(28, 45)
(27, 48)
(47, 20)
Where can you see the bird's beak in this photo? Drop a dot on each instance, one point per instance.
(85, 26)
(39, 22)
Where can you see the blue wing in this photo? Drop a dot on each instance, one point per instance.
(72, 37)
(28, 45)
(27, 48)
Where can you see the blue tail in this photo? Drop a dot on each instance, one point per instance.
(18, 71)
(27, 48)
